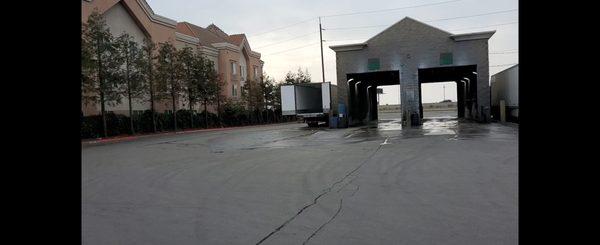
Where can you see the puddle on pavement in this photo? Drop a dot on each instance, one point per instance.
(430, 127)
(451, 128)
(440, 126)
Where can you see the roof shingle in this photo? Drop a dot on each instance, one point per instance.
(209, 35)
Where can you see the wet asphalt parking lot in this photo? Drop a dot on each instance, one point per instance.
(447, 182)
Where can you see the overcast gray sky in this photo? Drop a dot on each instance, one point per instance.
(298, 45)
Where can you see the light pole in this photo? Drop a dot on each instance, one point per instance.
(322, 61)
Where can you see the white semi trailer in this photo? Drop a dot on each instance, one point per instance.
(505, 87)
(310, 101)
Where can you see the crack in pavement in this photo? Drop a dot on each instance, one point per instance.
(324, 192)
(324, 224)
(334, 215)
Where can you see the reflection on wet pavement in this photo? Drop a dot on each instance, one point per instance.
(453, 127)
(448, 127)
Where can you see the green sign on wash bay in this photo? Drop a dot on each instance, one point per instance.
(373, 64)
(446, 59)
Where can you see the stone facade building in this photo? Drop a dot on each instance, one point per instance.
(410, 53)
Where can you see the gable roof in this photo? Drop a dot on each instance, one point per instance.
(237, 39)
(185, 29)
(454, 37)
(404, 20)
(217, 31)
(211, 34)
(473, 36)
(206, 37)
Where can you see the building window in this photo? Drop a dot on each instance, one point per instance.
(255, 72)
(243, 72)
(233, 90)
(233, 68)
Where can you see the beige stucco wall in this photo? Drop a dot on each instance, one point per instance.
(158, 32)
(181, 44)
(119, 21)
(226, 56)
(128, 16)
(132, 17)
(254, 62)
(225, 59)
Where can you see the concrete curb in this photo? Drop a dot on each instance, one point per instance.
(117, 139)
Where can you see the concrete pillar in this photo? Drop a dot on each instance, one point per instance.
(409, 89)
(351, 100)
(369, 102)
(420, 101)
(460, 94)
(502, 111)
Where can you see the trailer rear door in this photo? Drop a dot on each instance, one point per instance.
(326, 96)
(288, 100)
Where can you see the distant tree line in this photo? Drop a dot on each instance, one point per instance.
(114, 69)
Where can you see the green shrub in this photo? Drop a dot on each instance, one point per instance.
(233, 114)
(91, 127)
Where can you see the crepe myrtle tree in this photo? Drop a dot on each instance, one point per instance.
(253, 95)
(146, 65)
(100, 66)
(267, 86)
(130, 74)
(277, 96)
(218, 84)
(297, 78)
(290, 78)
(191, 73)
(168, 72)
(303, 77)
(206, 85)
(87, 63)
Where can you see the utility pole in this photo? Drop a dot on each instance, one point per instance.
(322, 62)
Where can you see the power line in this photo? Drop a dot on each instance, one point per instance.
(501, 24)
(451, 18)
(359, 27)
(350, 28)
(294, 38)
(339, 40)
(354, 13)
(286, 50)
(283, 27)
(475, 15)
(388, 10)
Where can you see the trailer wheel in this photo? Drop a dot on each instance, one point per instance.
(313, 123)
